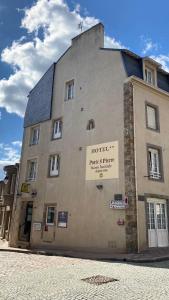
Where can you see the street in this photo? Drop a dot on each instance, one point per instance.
(28, 276)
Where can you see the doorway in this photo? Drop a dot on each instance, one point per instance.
(25, 226)
(157, 223)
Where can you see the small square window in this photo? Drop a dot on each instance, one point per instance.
(152, 117)
(54, 165)
(69, 90)
(57, 129)
(34, 139)
(31, 169)
(50, 215)
(154, 163)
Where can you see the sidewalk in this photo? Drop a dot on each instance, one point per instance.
(151, 255)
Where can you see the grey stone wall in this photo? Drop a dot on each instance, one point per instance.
(129, 166)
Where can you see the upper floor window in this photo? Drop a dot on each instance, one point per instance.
(90, 125)
(31, 169)
(54, 165)
(57, 129)
(149, 76)
(154, 163)
(34, 139)
(152, 117)
(69, 90)
(50, 215)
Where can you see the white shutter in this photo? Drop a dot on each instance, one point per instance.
(151, 117)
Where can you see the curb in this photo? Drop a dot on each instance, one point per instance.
(85, 256)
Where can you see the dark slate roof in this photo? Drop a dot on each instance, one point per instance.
(132, 64)
(133, 67)
(163, 80)
(40, 100)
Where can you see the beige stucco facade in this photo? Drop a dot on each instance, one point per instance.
(144, 93)
(99, 76)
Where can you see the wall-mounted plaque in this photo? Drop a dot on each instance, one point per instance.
(102, 161)
(37, 226)
(62, 219)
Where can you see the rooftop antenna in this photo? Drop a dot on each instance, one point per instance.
(80, 26)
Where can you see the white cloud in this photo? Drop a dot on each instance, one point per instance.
(112, 43)
(9, 155)
(149, 45)
(17, 143)
(50, 25)
(163, 60)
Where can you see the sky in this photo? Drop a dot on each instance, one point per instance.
(33, 34)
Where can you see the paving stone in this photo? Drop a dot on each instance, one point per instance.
(37, 277)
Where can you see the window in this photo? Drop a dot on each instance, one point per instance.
(152, 117)
(34, 135)
(90, 125)
(149, 76)
(154, 163)
(31, 171)
(50, 215)
(69, 90)
(54, 165)
(57, 129)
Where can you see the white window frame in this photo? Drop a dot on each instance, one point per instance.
(54, 165)
(31, 178)
(149, 75)
(35, 130)
(154, 163)
(57, 129)
(149, 115)
(69, 90)
(47, 210)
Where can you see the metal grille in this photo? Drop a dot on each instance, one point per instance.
(99, 279)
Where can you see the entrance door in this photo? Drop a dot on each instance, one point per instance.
(26, 221)
(157, 223)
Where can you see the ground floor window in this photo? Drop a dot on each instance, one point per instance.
(50, 215)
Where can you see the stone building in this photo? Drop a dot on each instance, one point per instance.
(94, 168)
(7, 195)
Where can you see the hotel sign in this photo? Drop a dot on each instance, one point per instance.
(102, 161)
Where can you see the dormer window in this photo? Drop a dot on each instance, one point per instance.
(149, 75)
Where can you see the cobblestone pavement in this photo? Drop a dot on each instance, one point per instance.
(38, 277)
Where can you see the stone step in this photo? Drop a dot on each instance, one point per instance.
(23, 244)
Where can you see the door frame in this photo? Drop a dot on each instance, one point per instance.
(157, 200)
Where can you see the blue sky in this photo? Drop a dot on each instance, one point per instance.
(33, 34)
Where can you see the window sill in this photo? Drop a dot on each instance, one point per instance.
(154, 130)
(156, 179)
(54, 139)
(30, 180)
(53, 176)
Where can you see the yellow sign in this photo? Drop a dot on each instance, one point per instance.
(102, 161)
(25, 188)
